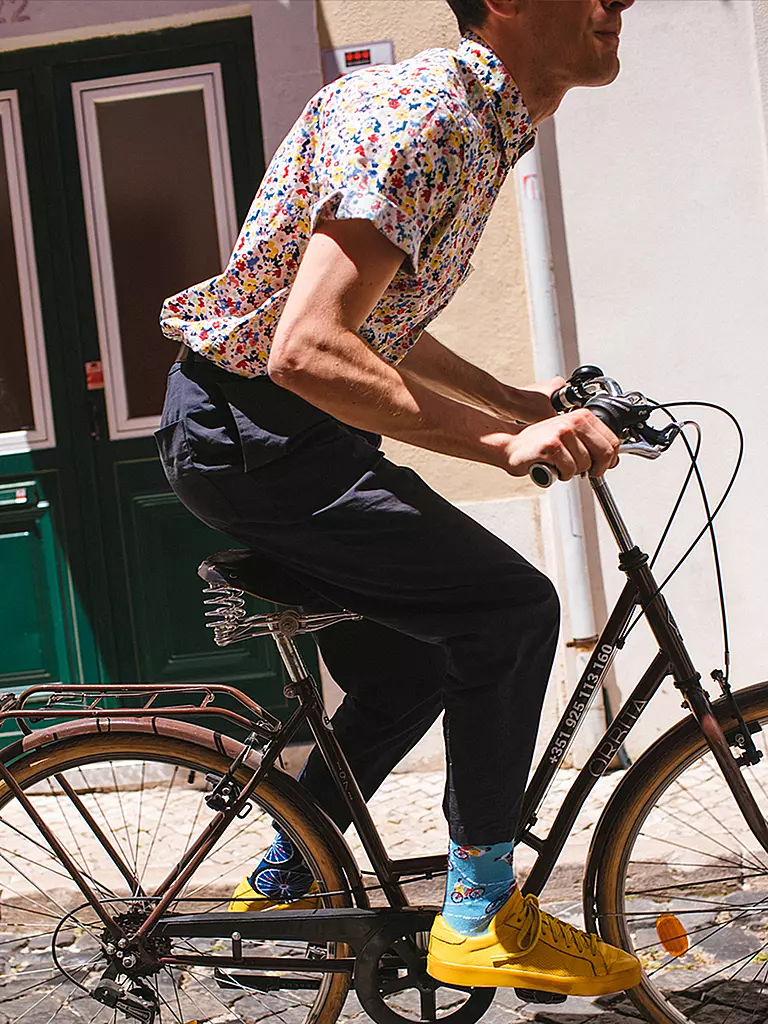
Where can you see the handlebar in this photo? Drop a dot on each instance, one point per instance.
(626, 414)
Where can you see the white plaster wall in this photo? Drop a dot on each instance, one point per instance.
(666, 209)
(760, 11)
(284, 31)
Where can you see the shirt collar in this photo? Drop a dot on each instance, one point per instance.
(502, 93)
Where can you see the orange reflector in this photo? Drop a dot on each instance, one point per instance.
(672, 934)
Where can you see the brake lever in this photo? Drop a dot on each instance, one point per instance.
(650, 442)
(641, 448)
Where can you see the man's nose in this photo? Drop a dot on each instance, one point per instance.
(617, 5)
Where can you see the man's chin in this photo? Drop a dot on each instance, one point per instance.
(605, 75)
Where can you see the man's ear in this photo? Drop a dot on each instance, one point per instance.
(503, 9)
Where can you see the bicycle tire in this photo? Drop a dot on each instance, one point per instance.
(672, 844)
(134, 761)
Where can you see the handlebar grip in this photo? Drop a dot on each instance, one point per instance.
(542, 474)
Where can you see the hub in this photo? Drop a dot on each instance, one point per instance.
(136, 959)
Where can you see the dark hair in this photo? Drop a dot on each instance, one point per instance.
(469, 13)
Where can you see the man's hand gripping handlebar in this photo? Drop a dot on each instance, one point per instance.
(625, 415)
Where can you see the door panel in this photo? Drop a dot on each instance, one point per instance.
(171, 637)
(33, 601)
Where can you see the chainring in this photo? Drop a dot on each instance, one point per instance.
(393, 966)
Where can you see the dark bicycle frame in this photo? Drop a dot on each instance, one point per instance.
(356, 925)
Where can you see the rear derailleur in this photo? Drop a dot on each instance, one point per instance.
(136, 1000)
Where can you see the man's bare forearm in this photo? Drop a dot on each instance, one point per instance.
(445, 372)
(340, 374)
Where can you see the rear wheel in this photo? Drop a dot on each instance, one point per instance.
(146, 795)
(683, 883)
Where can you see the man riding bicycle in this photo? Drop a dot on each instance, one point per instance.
(309, 346)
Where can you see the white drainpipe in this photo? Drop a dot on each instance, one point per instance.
(565, 499)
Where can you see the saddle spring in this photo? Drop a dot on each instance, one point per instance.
(228, 610)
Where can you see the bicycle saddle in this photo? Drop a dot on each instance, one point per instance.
(260, 576)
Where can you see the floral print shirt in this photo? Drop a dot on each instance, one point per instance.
(419, 148)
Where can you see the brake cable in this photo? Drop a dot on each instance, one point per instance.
(720, 677)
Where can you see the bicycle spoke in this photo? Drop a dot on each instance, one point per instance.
(193, 826)
(72, 833)
(161, 999)
(746, 959)
(169, 973)
(160, 817)
(684, 884)
(715, 931)
(34, 885)
(63, 874)
(105, 818)
(705, 835)
(192, 971)
(139, 809)
(45, 995)
(243, 830)
(34, 842)
(718, 821)
(133, 853)
(739, 1008)
(689, 849)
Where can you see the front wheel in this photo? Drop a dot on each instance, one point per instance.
(682, 882)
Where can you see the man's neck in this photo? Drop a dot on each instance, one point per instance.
(542, 95)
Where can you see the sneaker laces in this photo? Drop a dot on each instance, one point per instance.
(533, 921)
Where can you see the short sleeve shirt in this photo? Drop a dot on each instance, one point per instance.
(420, 148)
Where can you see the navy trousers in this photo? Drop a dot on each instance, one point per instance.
(454, 619)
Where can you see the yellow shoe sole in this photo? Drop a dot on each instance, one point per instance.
(469, 976)
(247, 900)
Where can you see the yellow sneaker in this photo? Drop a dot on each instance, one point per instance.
(526, 948)
(247, 899)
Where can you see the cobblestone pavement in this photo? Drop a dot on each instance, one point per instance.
(407, 810)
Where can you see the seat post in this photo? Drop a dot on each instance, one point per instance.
(288, 624)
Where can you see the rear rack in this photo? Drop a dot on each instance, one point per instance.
(63, 701)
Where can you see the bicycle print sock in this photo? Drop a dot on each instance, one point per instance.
(480, 880)
(281, 874)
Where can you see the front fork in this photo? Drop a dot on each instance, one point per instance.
(701, 709)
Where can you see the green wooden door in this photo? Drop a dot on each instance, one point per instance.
(128, 164)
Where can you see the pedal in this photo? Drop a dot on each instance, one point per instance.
(532, 995)
(263, 982)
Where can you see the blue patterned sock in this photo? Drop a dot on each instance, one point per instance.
(281, 874)
(480, 880)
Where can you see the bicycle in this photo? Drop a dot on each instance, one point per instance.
(113, 785)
